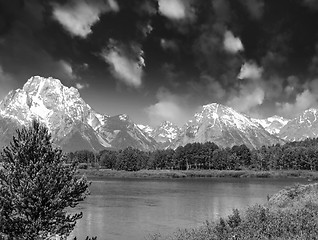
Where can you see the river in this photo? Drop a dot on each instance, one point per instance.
(131, 209)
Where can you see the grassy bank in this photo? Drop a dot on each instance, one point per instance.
(290, 214)
(107, 173)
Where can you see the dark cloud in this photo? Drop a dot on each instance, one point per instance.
(212, 59)
(8, 13)
(254, 7)
(167, 44)
(313, 65)
(195, 50)
(312, 4)
(222, 10)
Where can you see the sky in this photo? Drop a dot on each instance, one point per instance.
(159, 60)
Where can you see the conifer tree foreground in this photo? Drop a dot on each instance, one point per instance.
(37, 188)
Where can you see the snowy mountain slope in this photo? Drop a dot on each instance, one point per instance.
(121, 132)
(146, 129)
(73, 123)
(58, 107)
(303, 126)
(272, 124)
(225, 127)
(165, 132)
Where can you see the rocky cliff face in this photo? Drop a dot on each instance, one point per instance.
(73, 123)
(303, 126)
(120, 132)
(164, 134)
(272, 124)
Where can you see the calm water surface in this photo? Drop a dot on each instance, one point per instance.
(133, 209)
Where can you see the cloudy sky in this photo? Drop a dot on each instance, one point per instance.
(161, 59)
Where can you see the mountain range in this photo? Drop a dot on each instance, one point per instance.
(75, 125)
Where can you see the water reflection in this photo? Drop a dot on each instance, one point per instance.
(132, 209)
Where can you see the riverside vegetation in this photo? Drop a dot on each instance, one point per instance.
(290, 214)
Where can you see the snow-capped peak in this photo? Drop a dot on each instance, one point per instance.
(69, 118)
(214, 113)
(304, 126)
(146, 128)
(123, 117)
(280, 119)
(224, 126)
(166, 124)
(165, 132)
(311, 110)
(49, 101)
(272, 124)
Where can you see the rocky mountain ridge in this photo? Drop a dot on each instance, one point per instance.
(75, 125)
(272, 124)
(303, 126)
(225, 127)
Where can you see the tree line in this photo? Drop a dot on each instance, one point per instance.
(301, 155)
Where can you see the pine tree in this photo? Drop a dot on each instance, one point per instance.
(37, 187)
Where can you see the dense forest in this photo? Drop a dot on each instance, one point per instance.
(301, 155)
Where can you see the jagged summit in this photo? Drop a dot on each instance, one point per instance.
(278, 118)
(225, 127)
(68, 117)
(167, 123)
(45, 99)
(272, 124)
(311, 110)
(305, 125)
(75, 125)
(123, 117)
(37, 84)
(218, 112)
(165, 133)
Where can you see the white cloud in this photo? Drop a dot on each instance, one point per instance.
(79, 16)
(173, 9)
(67, 69)
(80, 86)
(169, 107)
(146, 29)
(232, 44)
(313, 86)
(247, 99)
(169, 44)
(255, 7)
(124, 67)
(303, 101)
(113, 5)
(274, 88)
(250, 70)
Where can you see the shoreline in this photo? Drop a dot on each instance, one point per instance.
(169, 174)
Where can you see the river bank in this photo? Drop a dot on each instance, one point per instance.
(158, 174)
(133, 209)
(290, 214)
